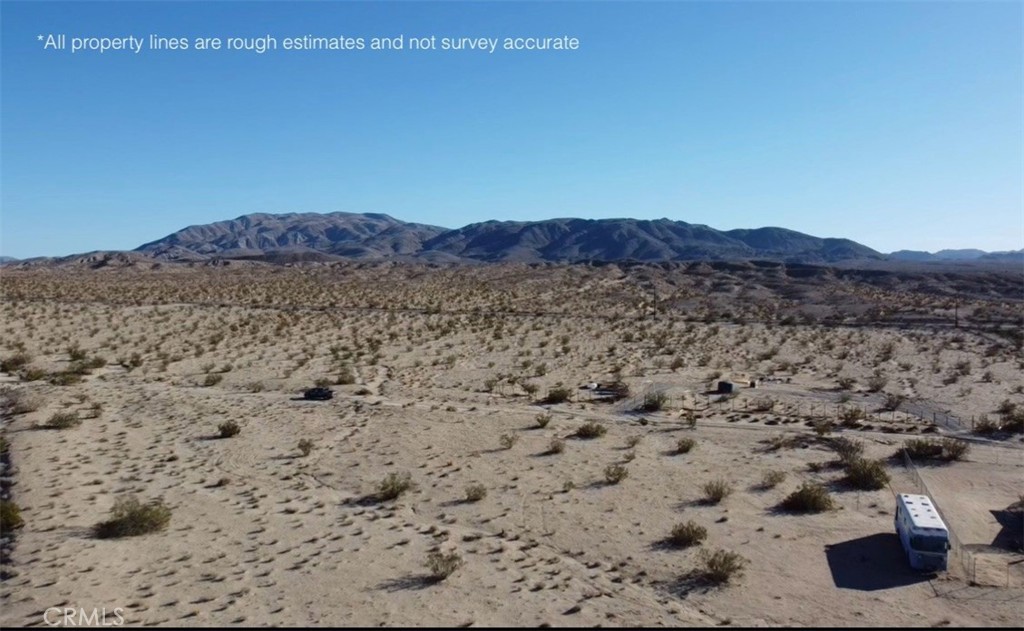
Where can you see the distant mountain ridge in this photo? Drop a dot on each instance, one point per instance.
(378, 236)
(957, 255)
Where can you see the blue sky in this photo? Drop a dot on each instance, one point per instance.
(896, 124)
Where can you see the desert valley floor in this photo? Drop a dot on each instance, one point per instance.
(472, 380)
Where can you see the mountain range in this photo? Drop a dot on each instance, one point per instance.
(375, 236)
(297, 237)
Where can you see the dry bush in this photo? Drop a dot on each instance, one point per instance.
(19, 402)
(866, 475)
(443, 565)
(508, 440)
(475, 492)
(771, 479)
(228, 429)
(847, 449)
(556, 446)
(893, 401)
(716, 490)
(63, 420)
(306, 447)
(558, 395)
(721, 566)
(654, 402)
(543, 420)
(687, 534)
(591, 429)
(393, 485)
(849, 416)
(615, 473)
(130, 518)
(822, 427)
(10, 517)
(935, 449)
(876, 382)
(811, 497)
(986, 426)
(13, 363)
(212, 380)
(685, 445)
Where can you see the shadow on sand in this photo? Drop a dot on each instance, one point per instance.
(871, 563)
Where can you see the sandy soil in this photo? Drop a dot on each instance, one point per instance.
(261, 534)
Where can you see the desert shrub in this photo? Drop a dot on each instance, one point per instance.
(228, 429)
(63, 420)
(654, 401)
(443, 565)
(893, 401)
(508, 440)
(212, 380)
(876, 382)
(690, 418)
(922, 448)
(867, 475)
(65, 378)
(847, 449)
(130, 518)
(543, 419)
(845, 383)
(687, 534)
(556, 446)
(306, 446)
(393, 485)
(558, 395)
(685, 445)
(591, 429)
(850, 415)
(822, 427)
(1014, 422)
(346, 376)
(75, 353)
(935, 449)
(633, 441)
(475, 492)
(986, 426)
(19, 402)
(322, 382)
(716, 490)
(615, 473)
(1006, 407)
(811, 497)
(721, 566)
(13, 363)
(771, 479)
(10, 517)
(32, 374)
(954, 449)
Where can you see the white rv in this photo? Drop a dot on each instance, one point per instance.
(922, 532)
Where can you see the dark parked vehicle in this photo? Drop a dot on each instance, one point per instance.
(318, 394)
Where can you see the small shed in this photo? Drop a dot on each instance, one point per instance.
(724, 387)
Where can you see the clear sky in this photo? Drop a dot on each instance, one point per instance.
(896, 124)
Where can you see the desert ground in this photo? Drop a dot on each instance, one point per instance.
(467, 379)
